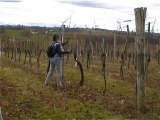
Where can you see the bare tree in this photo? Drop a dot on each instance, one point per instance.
(129, 59)
(80, 67)
(122, 65)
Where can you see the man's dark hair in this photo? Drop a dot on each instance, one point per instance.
(55, 37)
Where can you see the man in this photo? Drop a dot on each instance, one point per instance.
(56, 61)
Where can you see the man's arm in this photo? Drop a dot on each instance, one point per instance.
(60, 51)
(65, 43)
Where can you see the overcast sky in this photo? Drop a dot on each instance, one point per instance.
(83, 13)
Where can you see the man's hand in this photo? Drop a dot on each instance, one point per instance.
(65, 42)
(69, 51)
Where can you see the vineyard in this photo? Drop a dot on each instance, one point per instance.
(109, 65)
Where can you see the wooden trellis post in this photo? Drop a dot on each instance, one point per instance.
(38, 54)
(1, 118)
(0, 46)
(103, 58)
(114, 49)
(125, 45)
(63, 39)
(158, 52)
(147, 54)
(140, 15)
(30, 53)
(14, 47)
(77, 55)
(89, 51)
(25, 50)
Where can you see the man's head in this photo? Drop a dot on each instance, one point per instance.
(55, 37)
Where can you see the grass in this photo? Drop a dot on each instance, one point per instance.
(24, 96)
(117, 86)
(75, 109)
(120, 93)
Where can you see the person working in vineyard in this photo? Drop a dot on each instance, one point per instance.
(56, 60)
